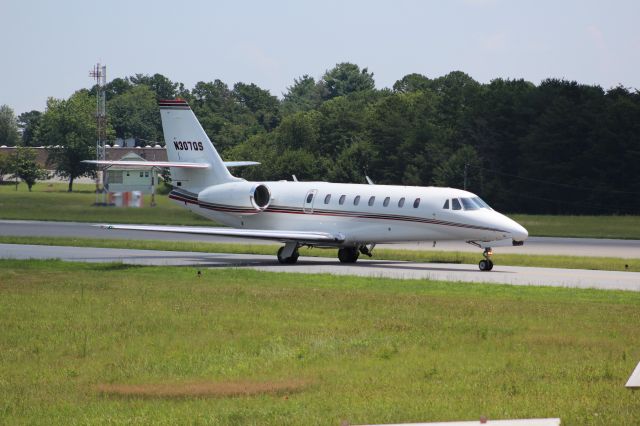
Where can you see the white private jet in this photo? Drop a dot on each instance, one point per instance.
(350, 217)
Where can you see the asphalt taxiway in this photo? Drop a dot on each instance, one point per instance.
(368, 268)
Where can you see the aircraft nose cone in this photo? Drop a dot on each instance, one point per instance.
(518, 232)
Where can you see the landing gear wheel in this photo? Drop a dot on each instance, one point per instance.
(485, 265)
(348, 254)
(287, 260)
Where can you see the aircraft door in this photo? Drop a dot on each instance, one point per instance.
(309, 199)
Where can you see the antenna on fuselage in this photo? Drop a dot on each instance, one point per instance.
(369, 181)
(295, 179)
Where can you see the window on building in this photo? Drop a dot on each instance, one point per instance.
(372, 200)
(146, 174)
(356, 200)
(401, 202)
(115, 176)
(386, 201)
(127, 173)
(416, 203)
(141, 174)
(342, 198)
(446, 205)
(455, 204)
(327, 199)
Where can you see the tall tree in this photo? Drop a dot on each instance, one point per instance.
(135, 114)
(263, 105)
(159, 84)
(29, 122)
(9, 135)
(304, 95)
(412, 83)
(346, 78)
(68, 128)
(24, 166)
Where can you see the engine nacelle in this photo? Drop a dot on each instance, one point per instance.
(242, 198)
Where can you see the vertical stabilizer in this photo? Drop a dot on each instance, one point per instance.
(186, 141)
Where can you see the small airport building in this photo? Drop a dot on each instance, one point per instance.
(126, 179)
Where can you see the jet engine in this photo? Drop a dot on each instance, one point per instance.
(245, 198)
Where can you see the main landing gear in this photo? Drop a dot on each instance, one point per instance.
(351, 254)
(486, 264)
(348, 254)
(288, 255)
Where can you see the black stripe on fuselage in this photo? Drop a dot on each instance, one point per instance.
(191, 198)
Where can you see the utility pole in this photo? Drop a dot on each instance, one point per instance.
(99, 73)
(466, 167)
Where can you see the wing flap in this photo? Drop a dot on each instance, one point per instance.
(299, 236)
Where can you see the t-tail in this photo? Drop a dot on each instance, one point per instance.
(187, 142)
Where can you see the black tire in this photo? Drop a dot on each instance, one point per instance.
(484, 265)
(490, 265)
(348, 254)
(280, 258)
(288, 260)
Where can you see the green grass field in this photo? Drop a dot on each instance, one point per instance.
(542, 261)
(55, 203)
(96, 344)
(52, 202)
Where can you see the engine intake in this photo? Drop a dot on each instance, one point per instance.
(260, 197)
(240, 198)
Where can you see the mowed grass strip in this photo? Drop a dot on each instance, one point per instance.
(550, 261)
(372, 350)
(52, 202)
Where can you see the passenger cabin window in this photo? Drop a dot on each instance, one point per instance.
(372, 200)
(386, 201)
(401, 202)
(446, 205)
(310, 197)
(455, 204)
(341, 200)
(356, 200)
(327, 199)
(416, 203)
(468, 204)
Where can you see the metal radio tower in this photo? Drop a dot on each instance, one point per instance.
(99, 73)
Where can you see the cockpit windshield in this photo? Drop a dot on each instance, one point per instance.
(469, 204)
(474, 203)
(480, 202)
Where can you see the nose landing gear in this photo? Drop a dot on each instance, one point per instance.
(486, 264)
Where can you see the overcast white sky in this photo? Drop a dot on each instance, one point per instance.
(48, 47)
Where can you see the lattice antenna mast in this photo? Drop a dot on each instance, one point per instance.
(99, 73)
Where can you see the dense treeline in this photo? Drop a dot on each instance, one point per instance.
(559, 147)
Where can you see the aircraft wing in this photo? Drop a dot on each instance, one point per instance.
(299, 236)
(168, 164)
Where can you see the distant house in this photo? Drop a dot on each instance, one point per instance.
(126, 179)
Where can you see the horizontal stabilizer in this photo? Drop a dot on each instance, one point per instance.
(125, 163)
(298, 236)
(240, 163)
